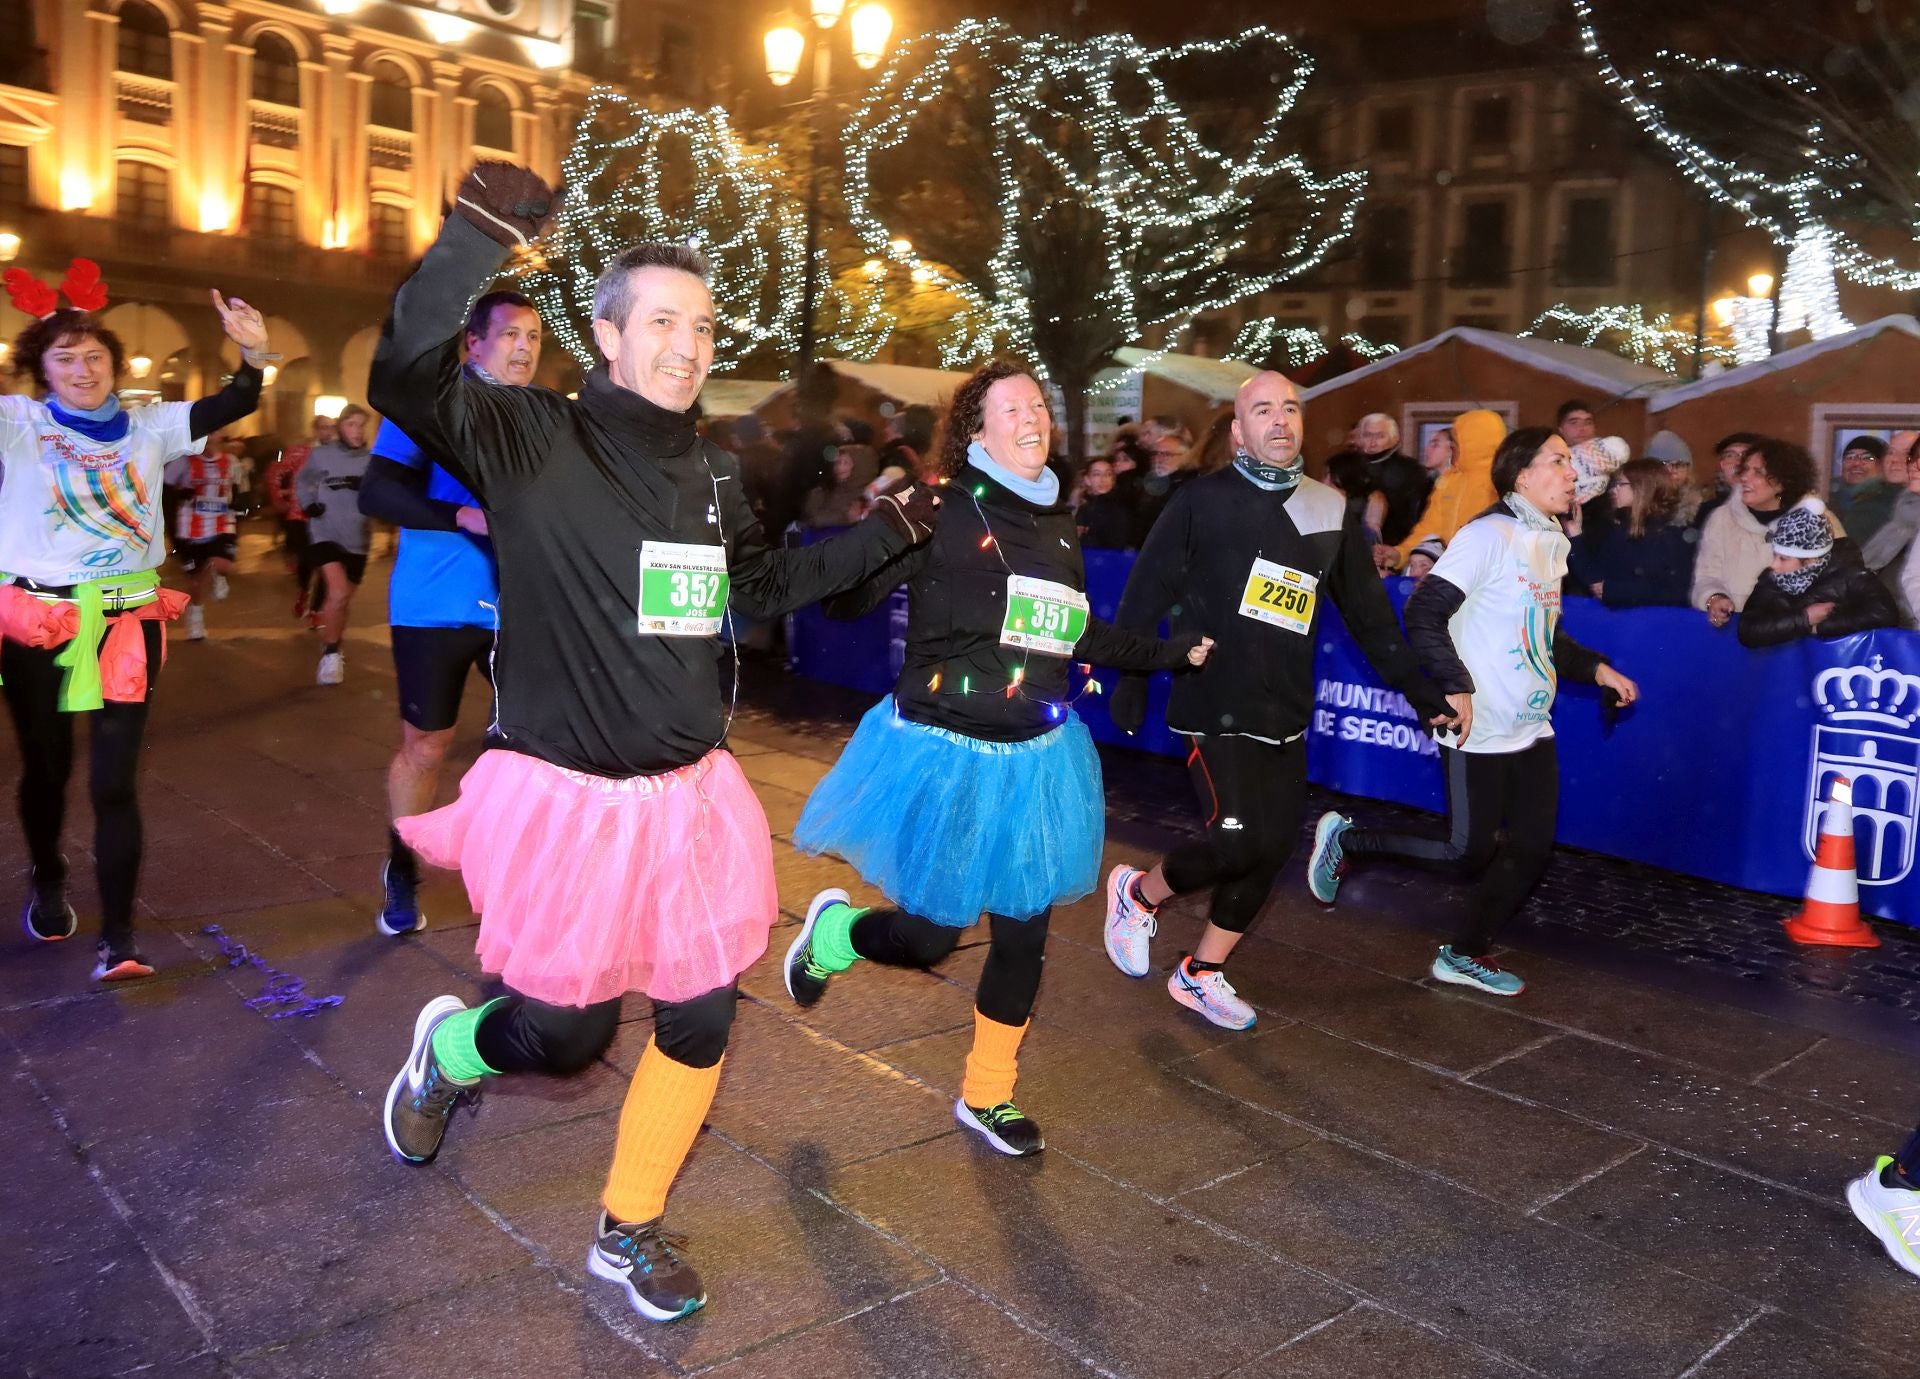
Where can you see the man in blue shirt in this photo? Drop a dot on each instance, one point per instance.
(444, 592)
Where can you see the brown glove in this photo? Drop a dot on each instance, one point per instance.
(911, 512)
(506, 202)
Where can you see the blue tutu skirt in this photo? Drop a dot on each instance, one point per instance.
(950, 827)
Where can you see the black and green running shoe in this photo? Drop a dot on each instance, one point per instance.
(1006, 1127)
(807, 979)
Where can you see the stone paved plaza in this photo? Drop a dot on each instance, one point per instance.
(1625, 1173)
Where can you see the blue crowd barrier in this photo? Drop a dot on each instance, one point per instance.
(1718, 772)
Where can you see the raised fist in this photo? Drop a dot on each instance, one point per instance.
(506, 202)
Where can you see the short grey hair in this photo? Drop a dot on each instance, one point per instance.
(613, 294)
(1393, 427)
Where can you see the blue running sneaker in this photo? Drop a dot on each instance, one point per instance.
(1478, 973)
(1130, 925)
(1212, 995)
(1328, 863)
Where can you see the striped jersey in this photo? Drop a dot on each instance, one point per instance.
(208, 511)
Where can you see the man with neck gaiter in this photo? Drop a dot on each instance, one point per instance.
(1247, 554)
(1486, 626)
(608, 840)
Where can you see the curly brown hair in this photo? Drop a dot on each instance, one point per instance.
(965, 414)
(66, 326)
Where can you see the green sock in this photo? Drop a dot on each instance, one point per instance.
(832, 940)
(454, 1047)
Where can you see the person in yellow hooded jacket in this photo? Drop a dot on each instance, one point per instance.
(1464, 491)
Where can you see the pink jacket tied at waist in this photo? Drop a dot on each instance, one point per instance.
(45, 624)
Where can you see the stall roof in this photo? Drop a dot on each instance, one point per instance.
(1217, 380)
(735, 397)
(1600, 370)
(1783, 362)
(901, 382)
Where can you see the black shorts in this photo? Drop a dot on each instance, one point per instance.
(333, 553)
(193, 554)
(431, 665)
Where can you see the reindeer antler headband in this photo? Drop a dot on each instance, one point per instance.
(83, 285)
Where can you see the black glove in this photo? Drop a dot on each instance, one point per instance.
(508, 203)
(1128, 706)
(911, 513)
(313, 509)
(1178, 646)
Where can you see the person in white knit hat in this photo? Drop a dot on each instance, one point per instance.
(1814, 587)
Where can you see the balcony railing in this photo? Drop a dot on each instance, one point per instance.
(54, 237)
(390, 148)
(277, 126)
(146, 99)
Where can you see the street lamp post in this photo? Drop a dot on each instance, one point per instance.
(785, 44)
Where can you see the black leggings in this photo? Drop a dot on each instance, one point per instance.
(1484, 790)
(115, 731)
(1254, 794)
(1009, 981)
(522, 1035)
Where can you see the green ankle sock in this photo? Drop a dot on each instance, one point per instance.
(454, 1048)
(832, 940)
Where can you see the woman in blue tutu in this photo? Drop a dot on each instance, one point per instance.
(974, 788)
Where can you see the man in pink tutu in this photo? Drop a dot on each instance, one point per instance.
(608, 840)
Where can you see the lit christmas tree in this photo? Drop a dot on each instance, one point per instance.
(1089, 193)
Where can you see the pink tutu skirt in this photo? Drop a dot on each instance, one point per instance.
(588, 888)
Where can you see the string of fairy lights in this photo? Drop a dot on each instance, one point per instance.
(1266, 338)
(1790, 207)
(1099, 119)
(1627, 330)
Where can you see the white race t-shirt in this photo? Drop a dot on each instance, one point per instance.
(73, 509)
(1504, 631)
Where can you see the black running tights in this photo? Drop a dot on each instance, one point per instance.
(1009, 981)
(1253, 794)
(45, 734)
(1485, 791)
(522, 1035)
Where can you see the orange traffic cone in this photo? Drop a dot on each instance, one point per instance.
(1832, 912)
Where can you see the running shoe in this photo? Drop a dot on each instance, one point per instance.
(220, 589)
(196, 621)
(645, 1260)
(1130, 925)
(333, 668)
(119, 963)
(1328, 863)
(1891, 1213)
(1006, 1127)
(47, 917)
(1478, 973)
(806, 979)
(400, 912)
(422, 1097)
(1212, 995)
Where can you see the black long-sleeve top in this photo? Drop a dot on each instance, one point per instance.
(236, 401)
(1198, 571)
(958, 668)
(1860, 602)
(572, 491)
(397, 493)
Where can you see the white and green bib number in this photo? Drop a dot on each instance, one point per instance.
(1043, 616)
(1280, 596)
(683, 589)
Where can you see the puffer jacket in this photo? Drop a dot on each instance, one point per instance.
(1860, 602)
(1466, 490)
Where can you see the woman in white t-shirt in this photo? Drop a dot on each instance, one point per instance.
(1486, 627)
(81, 606)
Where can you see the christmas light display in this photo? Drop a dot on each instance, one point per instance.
(682, 176)
(1793, 203)
(1265, 338)
(1106, 212)
(1626, 330)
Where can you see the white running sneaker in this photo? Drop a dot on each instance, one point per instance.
(1130, 925)
(333, 668)
(196, 623)
(220, 589)
(1892, 1214)
(1212, 995)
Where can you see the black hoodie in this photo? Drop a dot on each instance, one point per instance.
(574, 491)
(958, 670)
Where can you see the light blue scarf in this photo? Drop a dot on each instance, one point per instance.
(1041, 492)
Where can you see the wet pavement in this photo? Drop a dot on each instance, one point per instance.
(1634, 1170)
